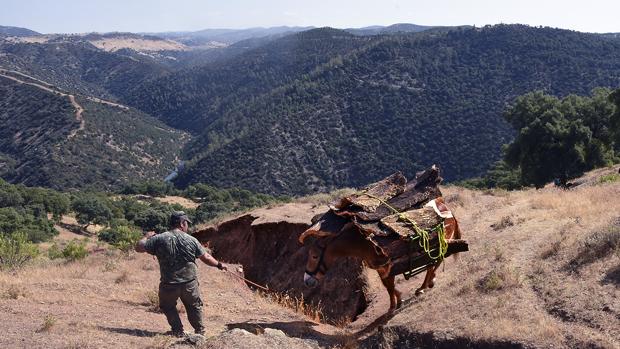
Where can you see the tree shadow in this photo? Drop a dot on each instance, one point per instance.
(75, 229)
(130, 331)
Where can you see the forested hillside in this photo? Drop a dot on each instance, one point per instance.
(43, 142)
(392, 102)
(79, 67)
(306, 112)
(194, 98)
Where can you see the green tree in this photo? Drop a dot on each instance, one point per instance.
(16, 250)
(559, 138)
(615, 119)
(91, 209)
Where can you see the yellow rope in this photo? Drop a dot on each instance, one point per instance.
(421, 234)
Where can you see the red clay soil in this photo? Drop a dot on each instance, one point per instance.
(266, 243)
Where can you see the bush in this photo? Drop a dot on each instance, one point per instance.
(54, 252)
(610, 178)
(75, 250)
(121, 237)
(16, 250)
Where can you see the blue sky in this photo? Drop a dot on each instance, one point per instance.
(77, 16)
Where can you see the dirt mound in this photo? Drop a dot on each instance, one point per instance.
(266, 243)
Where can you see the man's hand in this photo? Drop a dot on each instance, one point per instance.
(221, 266)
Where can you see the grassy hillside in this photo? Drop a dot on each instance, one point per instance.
(396, 102)
(542, 272)
(44, 143)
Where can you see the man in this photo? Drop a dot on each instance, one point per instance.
(176, 253)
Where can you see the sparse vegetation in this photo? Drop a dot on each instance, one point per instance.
(597, 246)
(15, 291)
(75, 250)
(16, 250)
(500, 278)
(610, 178)
(504, 223)
(48, 323)
(152, 301)
(552, 251)
(122, 278)
(315, 313)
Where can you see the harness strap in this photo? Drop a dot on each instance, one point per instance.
(321, 265)
(421, 235)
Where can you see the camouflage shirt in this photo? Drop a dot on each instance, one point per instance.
(176, 252)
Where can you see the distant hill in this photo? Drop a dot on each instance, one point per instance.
(324, 109)
(43, 143)
(17, 31)
(307, 111)
(77, 65)
(228, 36)
(193, 98)
(394, 28)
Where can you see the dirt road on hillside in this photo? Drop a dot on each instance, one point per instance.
(79, 110)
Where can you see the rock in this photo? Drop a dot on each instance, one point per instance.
(274, 333)
(239, 332)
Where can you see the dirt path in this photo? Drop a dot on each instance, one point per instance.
(50, 88)
(78, 116)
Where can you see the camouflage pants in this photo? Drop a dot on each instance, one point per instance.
(190, 296)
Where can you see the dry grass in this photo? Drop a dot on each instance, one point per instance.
(152, 301)
(597, 246)
(502, 278)
(48, 322)
(185, 202)
(513, 284)
(122, 278)
(325, 198)
(297, 304)
(15, 292)
(503, 223)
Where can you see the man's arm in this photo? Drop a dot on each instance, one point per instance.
(210, 261)
(141, 244)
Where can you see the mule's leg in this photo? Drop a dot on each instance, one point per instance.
(395, 301)
(431, 282)
(429, 279)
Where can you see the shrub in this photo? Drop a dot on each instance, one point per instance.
(16, 250)
(15, 291)
(597, 246)
(48, 323)
(122, 237)
(54, 252)
(500, 279)
(75, 250)
(613, 177)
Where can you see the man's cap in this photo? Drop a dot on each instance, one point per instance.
(178, 217)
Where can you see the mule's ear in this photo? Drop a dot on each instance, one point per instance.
(311, 232)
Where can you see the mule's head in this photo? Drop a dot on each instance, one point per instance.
(319, 257)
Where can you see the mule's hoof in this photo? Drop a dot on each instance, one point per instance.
(399, 304)
(432, 283)
(419, 292)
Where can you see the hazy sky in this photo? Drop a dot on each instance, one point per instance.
(71, 16)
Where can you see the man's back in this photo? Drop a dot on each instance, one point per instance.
(176, 252)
